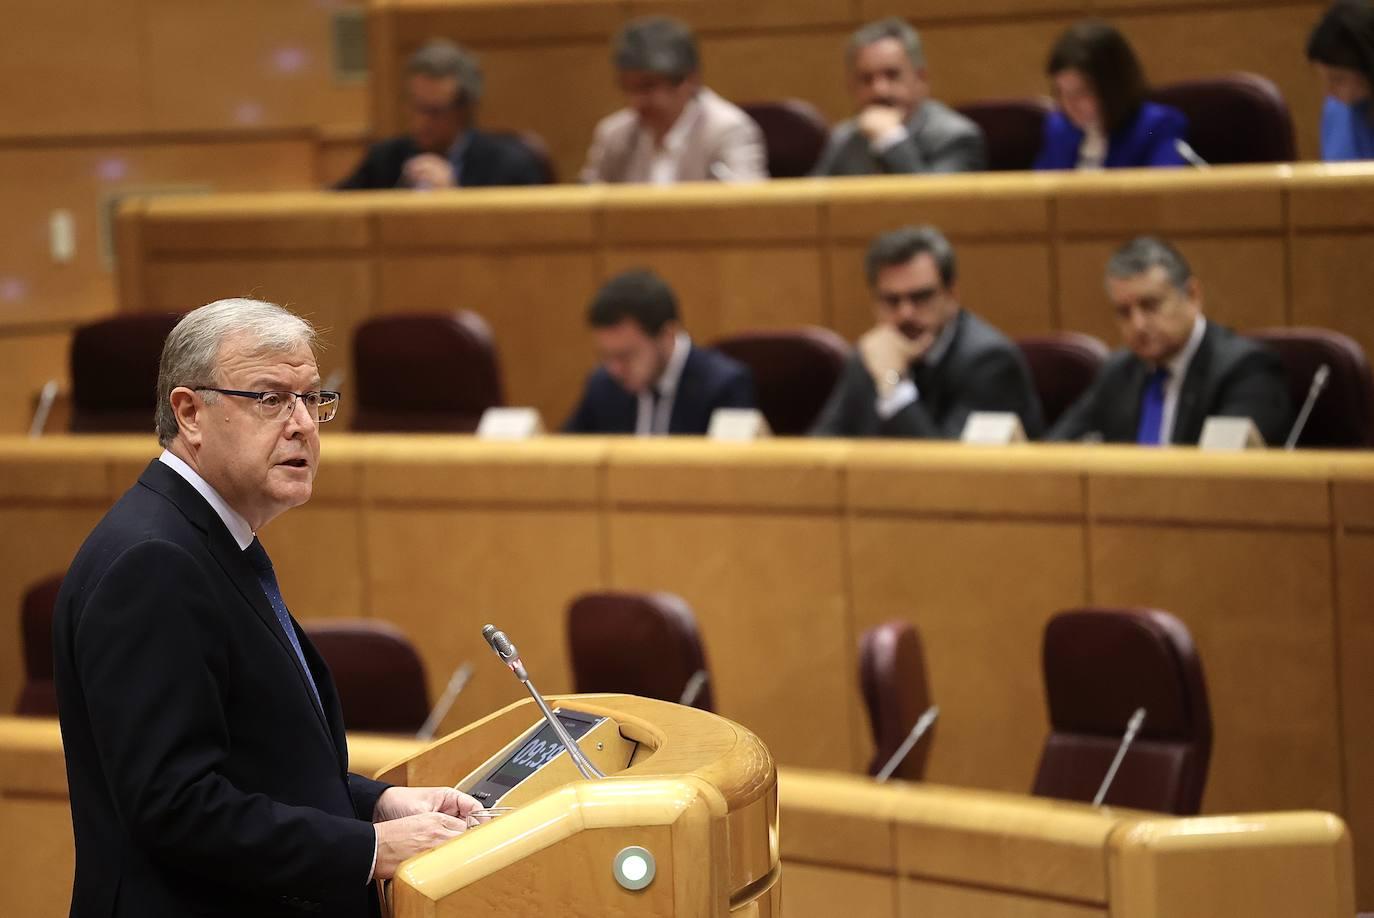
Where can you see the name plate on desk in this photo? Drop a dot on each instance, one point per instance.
(993, 428)
(1220, 433)
(510, 424)
(738, 425)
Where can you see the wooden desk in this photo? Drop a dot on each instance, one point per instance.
(794, 548)
(1272, 245)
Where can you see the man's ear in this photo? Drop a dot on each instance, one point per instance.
(188, 414)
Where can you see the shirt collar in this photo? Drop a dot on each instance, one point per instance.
(238, 527)
(672, 373)
(1178, 364)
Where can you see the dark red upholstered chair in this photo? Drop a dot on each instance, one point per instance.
(1236, 118)
(425, 372)
(38, 696)
(1014, 129)
(892, 673)
(1062, 365)
(1343, 415)
(643, 644)
(794, 133)
(114, 372)
(794, 371)
(379, 675)
(1102, 664)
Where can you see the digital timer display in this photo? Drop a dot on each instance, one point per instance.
(539, 750)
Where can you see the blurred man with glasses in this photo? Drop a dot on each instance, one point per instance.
(927, 363)
(205, 748)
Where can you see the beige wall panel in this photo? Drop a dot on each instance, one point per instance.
(534, 302)
(1243, 282)
(530, 20)
(1354, 586)
(1026, 481)
(1260, 608)
(1332, 277)
(921, 897)
(319, 551)
(850, 304)
(722, 291)
(441, 573)
(1127, 204)
(50, 538)
(787, 475)
(810, 891)
(964, 207)
(257, 63)
(981, 645)
(808, 65)
(768, 593)
(39, 859)
(918, 11)
(27, 361)
(710, 213)
(79, 72)
(336, 158)
(1314, 202)
(728, 16)
(959, 54)
(491, 218)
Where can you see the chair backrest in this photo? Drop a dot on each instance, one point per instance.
(1343, 415)
(892, 673)
(1062, 366)
(114, 372)
(1102, 664)
(643, 644)
(535, 144)
(38, 696)
(1236, 118)
(794, 371)
(1014, 130)
(377, 672)
(425, 372)
(794, 132)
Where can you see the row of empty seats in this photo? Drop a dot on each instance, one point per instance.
(438, 372)
(1099, 666)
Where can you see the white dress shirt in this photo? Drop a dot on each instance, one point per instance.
(665, 160)
(1178, 369)
(650, 421)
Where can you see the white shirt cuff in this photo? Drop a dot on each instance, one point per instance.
(890, 139)
(373, 869)
(903, 394)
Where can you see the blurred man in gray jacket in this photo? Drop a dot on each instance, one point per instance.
(899, 129)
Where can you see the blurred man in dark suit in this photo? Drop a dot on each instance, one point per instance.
(1177, 368)
(652, 379)
(205, 748)
(444, 148)
(927, 363)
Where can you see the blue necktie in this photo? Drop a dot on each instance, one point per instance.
(262, 565)
(1152, 408)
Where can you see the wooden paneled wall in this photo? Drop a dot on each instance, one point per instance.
(1273, 245)
(788, 550)
(548, 61)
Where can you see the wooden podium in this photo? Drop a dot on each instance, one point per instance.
(688, 812)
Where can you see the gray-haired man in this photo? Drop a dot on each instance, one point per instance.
(673, 129)
(444, 149)
(898, 129)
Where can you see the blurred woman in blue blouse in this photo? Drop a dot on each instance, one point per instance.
(1341, 47)
(1103, 121)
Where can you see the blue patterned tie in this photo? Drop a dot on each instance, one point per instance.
(262, 565)
(1152, 408)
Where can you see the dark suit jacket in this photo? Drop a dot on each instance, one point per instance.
(1229, 376)
(489, 159)
(710, 380)
(1148, 139)
(939, 140)
(981, 371)
(204, 777)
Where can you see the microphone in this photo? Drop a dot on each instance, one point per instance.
(692, 690)
(1190, 156)
(1132, 728)
(1319, 381)
(923, 723)
(456, 683)
(511, 657)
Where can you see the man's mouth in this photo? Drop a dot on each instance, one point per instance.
(295, 463)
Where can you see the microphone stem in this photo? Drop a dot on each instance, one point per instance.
(584, 765)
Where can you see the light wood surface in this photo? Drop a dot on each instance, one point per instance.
(786, 551)
(1272, 246)
(549, 69)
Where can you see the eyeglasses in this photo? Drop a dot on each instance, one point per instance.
(276, 404)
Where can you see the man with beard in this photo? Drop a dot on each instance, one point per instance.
(927, 363)
(899, 129)
(444, 149)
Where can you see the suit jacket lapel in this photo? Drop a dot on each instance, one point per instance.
(1127, 415)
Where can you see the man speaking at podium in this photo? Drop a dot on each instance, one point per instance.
(205, 748)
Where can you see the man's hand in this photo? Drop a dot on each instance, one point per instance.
(428, 170)
(876, 121)
(400, 802)
(407, 836)
(887, 354)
